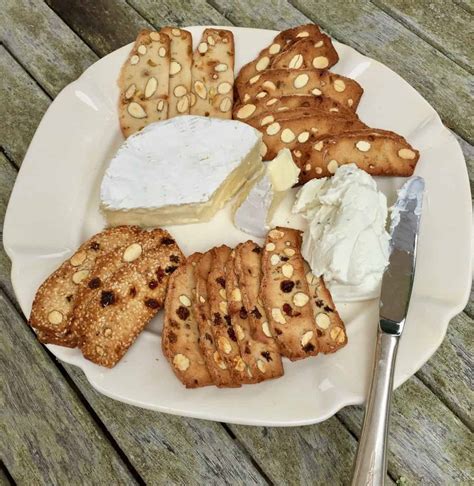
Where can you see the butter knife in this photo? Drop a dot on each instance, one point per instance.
(370, 467)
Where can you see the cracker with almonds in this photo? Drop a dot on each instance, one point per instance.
(53, 305)
(212, 91)
(378, 152)
(257, 107)
(181, 45)
(144, 82)
(131, 298)
(262, 344)
(285, 294)
(180, 336)
(331, 331)
(215, 364)
(282, 82)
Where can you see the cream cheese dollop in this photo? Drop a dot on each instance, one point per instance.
(345, 240)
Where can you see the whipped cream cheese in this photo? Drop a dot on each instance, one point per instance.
(345, 241)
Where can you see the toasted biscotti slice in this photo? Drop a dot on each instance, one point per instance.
(282, 82)
(107, 265)
(212, 91)
(53, 305)
(144, 82)
(180, 336)
(256, 107)
(181, 45)
(262, 345)
(67, 340)
(331, 331)
(290, 133)
(281, 42)
(131, 298)
(215, 364)
(285, 294)
(378, 152)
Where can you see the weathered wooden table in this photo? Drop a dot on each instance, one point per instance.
(55, 429)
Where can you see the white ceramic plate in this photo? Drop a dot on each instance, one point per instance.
(54, 207)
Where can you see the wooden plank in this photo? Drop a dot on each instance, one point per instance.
(441, 23)
(467, 5)
(7, 179)
(316, 454)
(5, 270)
(428, 444)
(4, 479)
(178, 13)
(48, 437)
(449, 372)
(46, 47)
(370, 30)
(105, 25)
(21, 112)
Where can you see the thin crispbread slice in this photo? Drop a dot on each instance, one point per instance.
(181, 44)
(307, 53)
(289, 133)
(225, 336)
(131, 298)
(281, 42)
(54, 302)
(378, 152)
(180, 336)
(256, 107)
(283, 82)
(212, 90)
(331, 331)
(107, 265)
(285, 294)
(144, 82)
(215, 364)
(263, 347)
(67, 340)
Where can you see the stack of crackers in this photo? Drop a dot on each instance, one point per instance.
(232, 314)
(289, 95)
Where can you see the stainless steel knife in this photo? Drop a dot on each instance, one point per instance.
(370, 466)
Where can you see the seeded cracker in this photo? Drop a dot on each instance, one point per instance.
(144, 82)
(180, 336)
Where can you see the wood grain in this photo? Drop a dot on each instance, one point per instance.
(441, 23)
(48, 437)
(7, 179)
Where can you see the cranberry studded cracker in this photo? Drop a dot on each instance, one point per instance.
(260, 108)
(213, 75)
(331, 331)
(285, 294)
(54, 302)
(262, 345)
(283, 82)
(132, 297)
(181, 45)
(378, 152)
(215, 364)
(180, 336)
(144, 82)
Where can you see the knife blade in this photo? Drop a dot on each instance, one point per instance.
(397, 281)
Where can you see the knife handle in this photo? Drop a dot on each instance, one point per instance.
(370, 466)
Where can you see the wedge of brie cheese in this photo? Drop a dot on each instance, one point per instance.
(257, 202)
(181, 170)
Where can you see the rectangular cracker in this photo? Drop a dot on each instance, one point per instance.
(132, 297)
(378, 152)
(180, 336)
(212, 92)
(181, 45)
(54, 301)
(144, 82)
(282, 82)
(331, 331)
(256, 107)
(285, 294)
(215, 364)
(263, 347)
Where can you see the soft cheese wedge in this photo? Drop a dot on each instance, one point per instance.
(181, 170)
